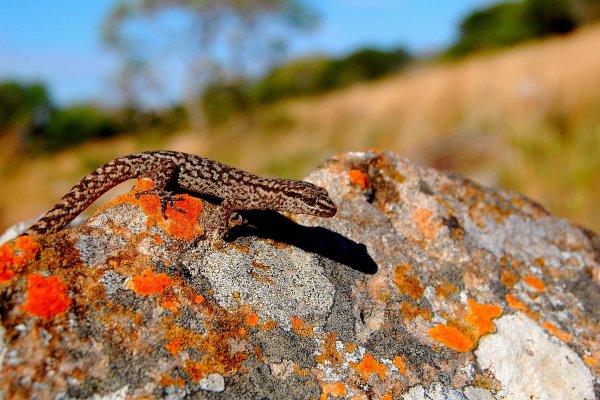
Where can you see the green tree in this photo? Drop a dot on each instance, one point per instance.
(364, 64)
(22, 104)
(295, 78)
(508, 23)
(547, 17)
(587, 10)
(214, 40)
(72, 125)
(500, 25)
(221, 100)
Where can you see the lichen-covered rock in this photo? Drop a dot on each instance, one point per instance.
(424, 286)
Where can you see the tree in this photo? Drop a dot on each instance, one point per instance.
(507, 23)
(211, 39)
(363, 64)
(499, 25)
(547, 17)
(22, 104)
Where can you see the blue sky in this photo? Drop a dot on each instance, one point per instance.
(58, 42)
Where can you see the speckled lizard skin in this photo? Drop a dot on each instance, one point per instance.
(237, 189)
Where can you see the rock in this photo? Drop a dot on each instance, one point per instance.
(424, 286)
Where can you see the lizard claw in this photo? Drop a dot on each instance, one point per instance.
(165, 198)
(237, 219)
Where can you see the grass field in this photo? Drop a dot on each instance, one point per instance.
(526, 119)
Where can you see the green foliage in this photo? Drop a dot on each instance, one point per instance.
(547, 17)
(42, 126)
(222, 100)
(500, 25)
(362, 65)
(505, 24)
(318, 74)
(301, 77)
(587, 10)
(72, 125)
(297, 78)
(23, 104)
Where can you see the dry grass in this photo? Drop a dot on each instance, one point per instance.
(526, 119)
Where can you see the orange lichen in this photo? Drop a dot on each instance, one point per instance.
(157, 239)
(197, 370)
(424, 223)
(199, 299)
(349, 347)
(411, 311)
(445, 289)
(516, 304)
(150, 283)
(27, 247)
(222, 328)
(508, 278)
(399, 363)
(590, 361)
(171, 305)
(301, 371)
(383, 164)
(7, 255)
(407, 284)
(387, 396)
(451, 337)
(15, 255)
(174, 346)
(179, 337)
(330, 352)
(209, 364)
(301, 327)
(369, 365)
(562, 335)
(252, 319)
(167, 380)
(46, 297)
(268, 325)
(481, 315)
(180, 225)
(185, 225)
(261, 278)
(258, 353)
(337, 389)
(357, 177)
(534, 282)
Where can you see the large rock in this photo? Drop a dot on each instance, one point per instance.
(424, 286)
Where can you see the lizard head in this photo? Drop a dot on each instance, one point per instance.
(306, 198)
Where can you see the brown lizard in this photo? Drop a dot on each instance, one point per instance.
(236, 189)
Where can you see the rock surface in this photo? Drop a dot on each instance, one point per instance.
(424, 286)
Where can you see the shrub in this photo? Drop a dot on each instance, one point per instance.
(73, 125)
(26, 104)
(508, 23)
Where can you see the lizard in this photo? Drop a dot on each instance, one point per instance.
(236, 189)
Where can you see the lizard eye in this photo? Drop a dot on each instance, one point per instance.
(310, 200)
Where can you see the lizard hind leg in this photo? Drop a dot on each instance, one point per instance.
(161, 174)
(228, 214)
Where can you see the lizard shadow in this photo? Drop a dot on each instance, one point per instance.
(322, 241)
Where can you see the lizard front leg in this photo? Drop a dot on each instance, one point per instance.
(161, 172)
(228, 210)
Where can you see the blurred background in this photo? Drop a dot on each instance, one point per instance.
(506, 93)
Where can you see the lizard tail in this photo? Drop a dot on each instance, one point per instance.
(82, 195)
